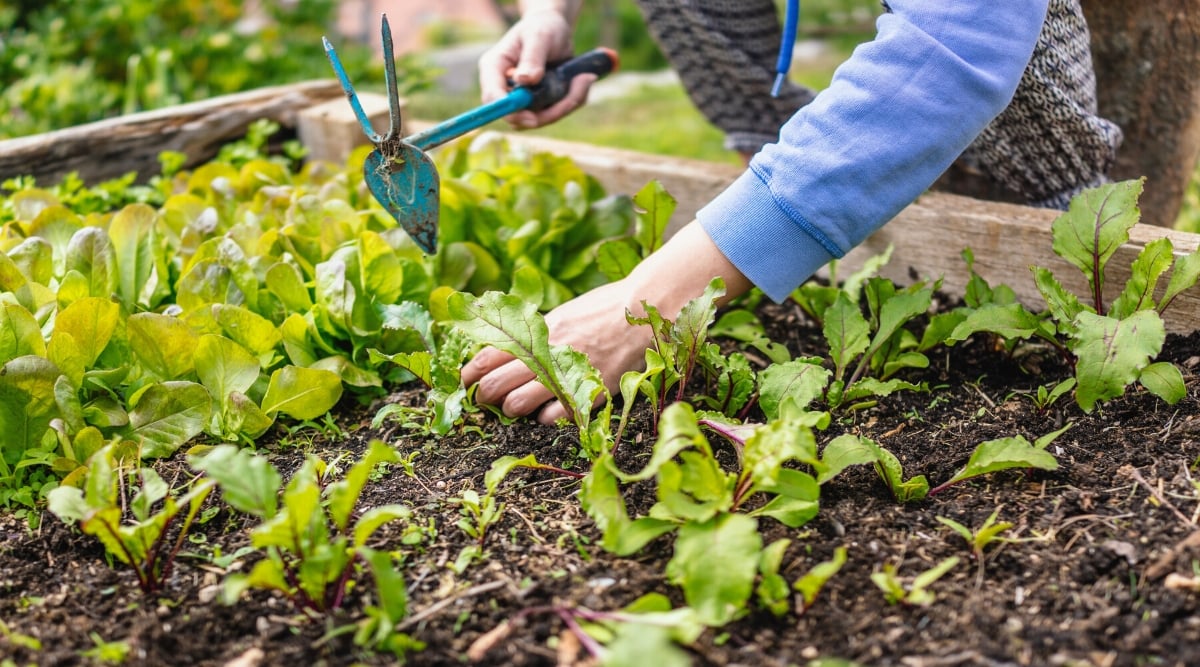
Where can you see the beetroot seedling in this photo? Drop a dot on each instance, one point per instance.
(133, 529)
(916, 594)
(316, 540)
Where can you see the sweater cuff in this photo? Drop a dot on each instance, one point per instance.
(760, 239)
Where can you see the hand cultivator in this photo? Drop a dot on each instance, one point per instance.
(399, 172)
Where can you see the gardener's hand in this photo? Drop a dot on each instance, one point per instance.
(541, 36)
(594, 323)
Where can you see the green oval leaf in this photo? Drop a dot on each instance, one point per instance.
(165, 345)
(303, 393)
(169, 414)
(91, 321)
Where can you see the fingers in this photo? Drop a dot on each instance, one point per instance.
(576, 97)
(488, 360)
(504, 382)
(494, 66)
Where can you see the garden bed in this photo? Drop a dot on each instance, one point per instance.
(1098, 565)
(1083, 580)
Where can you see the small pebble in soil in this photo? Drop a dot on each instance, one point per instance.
(601, 583)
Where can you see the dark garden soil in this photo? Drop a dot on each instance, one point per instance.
(1096, 570)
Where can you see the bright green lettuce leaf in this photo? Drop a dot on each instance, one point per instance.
(617, 258)
(165, 345)
(20, 334)
(169, 414)
(91, 321)
(224, 366)
(249, 329)
(34, 257)
(91, 253)
(654, 207)
(26, 405)
(286, 282)
(302, 393)
(133, 238)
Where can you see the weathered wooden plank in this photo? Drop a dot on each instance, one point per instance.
(111, 148)
(331, 131)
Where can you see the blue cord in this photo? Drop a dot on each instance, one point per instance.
(786, 42)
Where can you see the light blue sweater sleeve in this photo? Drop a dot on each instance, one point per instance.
(898, 112)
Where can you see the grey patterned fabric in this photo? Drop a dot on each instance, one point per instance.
(1048, 145)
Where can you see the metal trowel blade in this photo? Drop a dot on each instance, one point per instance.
(405, 182)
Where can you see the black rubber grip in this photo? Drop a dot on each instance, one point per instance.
(557, 81)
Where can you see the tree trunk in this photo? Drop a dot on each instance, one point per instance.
(1147, 57)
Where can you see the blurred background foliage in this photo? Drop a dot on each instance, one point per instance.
(65, 62)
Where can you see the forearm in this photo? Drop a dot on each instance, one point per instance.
(569, 9)
(680, 271)
(897, 113)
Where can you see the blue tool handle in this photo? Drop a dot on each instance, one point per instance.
(551, 89)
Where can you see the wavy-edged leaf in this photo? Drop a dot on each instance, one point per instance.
(20, 334)
(800, 381)
(91, 253)
(132, 235)
(1112, 353)
(224, 366)
(169, 414)
(165, 345)
(1094, 227)
(27, 405)
(91, 321)
(302, 393)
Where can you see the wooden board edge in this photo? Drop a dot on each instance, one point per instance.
(111, 148)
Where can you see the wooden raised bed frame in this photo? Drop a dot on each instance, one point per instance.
(927, 237)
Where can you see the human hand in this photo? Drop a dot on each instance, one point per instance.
(540, 37)
(594, 323)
